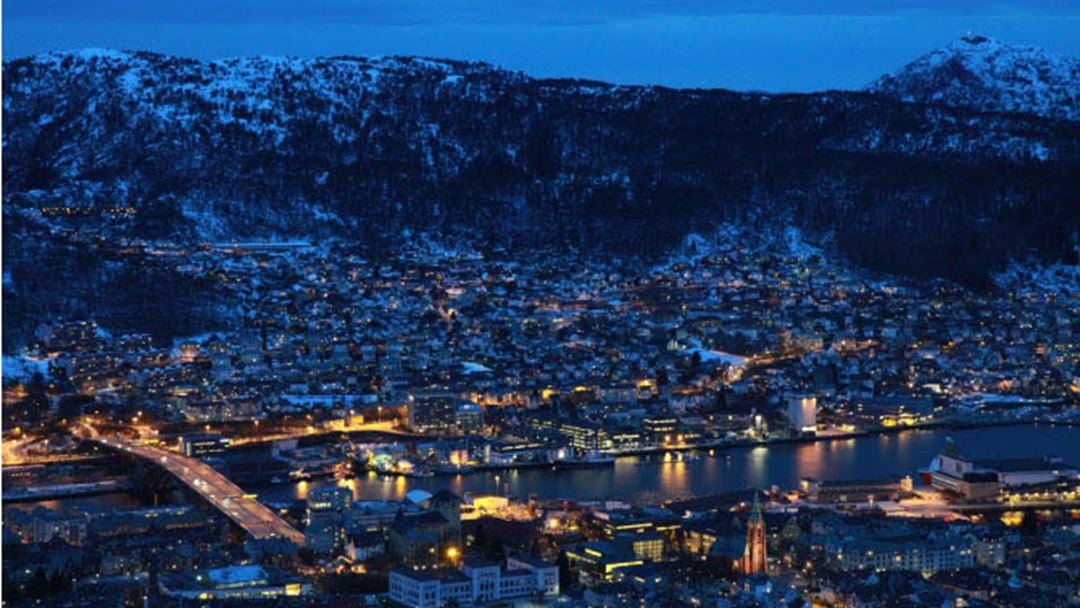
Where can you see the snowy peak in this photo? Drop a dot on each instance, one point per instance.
(986, 74)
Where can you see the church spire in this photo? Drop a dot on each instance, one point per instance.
(755, 560)
(755, 511)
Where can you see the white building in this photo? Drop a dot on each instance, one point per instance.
(476, 583)
(802, 413)
(955, 472)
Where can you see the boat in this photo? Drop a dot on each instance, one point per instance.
(592, 459)
(343, 470)
(452, 469)
(300, 475)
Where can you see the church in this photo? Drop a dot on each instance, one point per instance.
(754, 559)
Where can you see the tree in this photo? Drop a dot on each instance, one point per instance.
(38, 587)
(9, 591)
(567, 579)
(72, 406)
(1029, 525)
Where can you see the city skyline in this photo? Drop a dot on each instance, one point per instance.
(380, 329)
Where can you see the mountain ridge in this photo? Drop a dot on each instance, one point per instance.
(354, 146)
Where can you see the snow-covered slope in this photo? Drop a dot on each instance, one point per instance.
(148, 146)
(986, 74)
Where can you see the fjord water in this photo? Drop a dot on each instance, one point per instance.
(655, 478)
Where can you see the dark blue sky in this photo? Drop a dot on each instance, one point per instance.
(783, 45)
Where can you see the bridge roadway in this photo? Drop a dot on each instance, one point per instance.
(248, 513)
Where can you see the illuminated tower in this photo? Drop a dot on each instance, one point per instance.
(753, 561)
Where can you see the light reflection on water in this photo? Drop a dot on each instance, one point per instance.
(652, 478)
(649, 478)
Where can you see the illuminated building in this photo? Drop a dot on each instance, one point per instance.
(648, 547)
(913, 553)
(802, 413)
(424, 539)
(975, 479)
(78, 336)
(469, 417)
(199, 446)
(433, 413)
(477, 583)
(891, 411)
(326, 510)
(586, 436)
(661, 428)
(234, 582)
(597, 562)
(754, 555)
(859, 490)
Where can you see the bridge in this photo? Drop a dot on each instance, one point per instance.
(251, 515)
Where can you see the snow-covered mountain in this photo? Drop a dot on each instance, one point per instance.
(985, 74)
(153, 146)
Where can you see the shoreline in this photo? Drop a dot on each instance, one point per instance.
(725, 446)
(741, 444)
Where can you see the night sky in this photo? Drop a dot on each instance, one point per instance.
(784, 45)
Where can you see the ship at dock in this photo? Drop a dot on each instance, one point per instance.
(585, 461)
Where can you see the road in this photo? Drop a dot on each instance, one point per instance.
(327, 428)
(224, 495)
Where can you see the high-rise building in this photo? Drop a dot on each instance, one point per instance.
(469, 417)
(802, 413)
(754, 554)
(330, 498)
(325, 531)
(433, 413)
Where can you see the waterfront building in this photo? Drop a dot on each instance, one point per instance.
(856, 490)
(469, 417)
(802, 413)
(661, 427)
(891, 412)
(585, 436)
(984, 478)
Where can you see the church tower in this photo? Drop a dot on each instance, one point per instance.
(753, 561)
